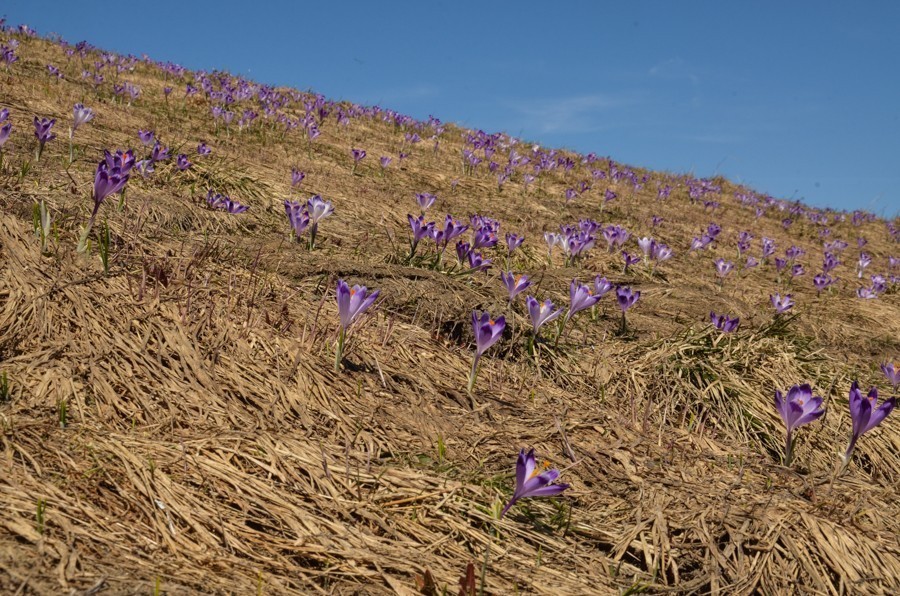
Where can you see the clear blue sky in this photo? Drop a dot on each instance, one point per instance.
(797, 99)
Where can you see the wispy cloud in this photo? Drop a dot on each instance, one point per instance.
(577, 114)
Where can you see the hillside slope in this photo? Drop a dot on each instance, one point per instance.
(176, 424)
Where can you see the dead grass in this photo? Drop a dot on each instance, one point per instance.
(208, 447)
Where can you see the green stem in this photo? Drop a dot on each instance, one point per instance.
(474, 373)
(339, 353)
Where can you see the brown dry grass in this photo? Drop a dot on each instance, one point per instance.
(210, 448)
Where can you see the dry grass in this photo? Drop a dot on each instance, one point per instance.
(208, 446)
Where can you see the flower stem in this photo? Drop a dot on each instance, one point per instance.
(788, 445)
(473, 374)
(339, 353)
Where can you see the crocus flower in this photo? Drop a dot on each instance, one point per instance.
(425, 200)
(580, 298)
(420, 230)
(297, 216)
(81, 115)
(513, 242)
(532, 481)
(296, 177)
(203, 149)
(724, 323)
(487, 331)
(822, 281)
(477, 262)
(42, 130)
(629, 260)
(351, 303)
(182, 162)
(515, 284)
(626, 298)
(723, 267)
(892, 373)
(318, 209)
(866, 414)
(385, 161)
(358, 156)
(799, 407)
(782, 303)
(5, 129)
(146, 136)
(540, 312)
(602, 286)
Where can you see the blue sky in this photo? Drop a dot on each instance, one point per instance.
(798, 99)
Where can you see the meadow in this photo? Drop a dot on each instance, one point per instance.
(257, 341)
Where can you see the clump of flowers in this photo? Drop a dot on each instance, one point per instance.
(724, 323)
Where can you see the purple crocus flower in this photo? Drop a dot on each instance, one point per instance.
(768, 248)
(799, 407)
(892, 373)
(420, 230)
(513, 242)
(297, 216)
(80, 115)
(540, 312)
(358, 156)
(385, 161)
(203, 149)
(182, 162)
(351, 302)
(866, 414)
(532, 481)
(42, 130)
(723, 267)
(822, 281)
(232, 206)
(425, 200)
(5, 129)
(487, 332)
(724, 323)
(781, 303)
(629, 260)
(515, 284)
(146, 136)
(626, 298)
(864, 261)
(296, 177)
(318, 210)
(580, 298)
(477, 262)
(602, 287)
(159, 153)
(484, 238)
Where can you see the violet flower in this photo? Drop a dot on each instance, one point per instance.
(182, 162)
(724, 323)
(420, 230)
(629, 260)
(385, 161)
(602, 287)
(425, 200)
(892, 373)
(477, 262)
(296, 177)
(532, 481)
(203, 149)
(799, 407)
(358, 156)
(515, 284)
(781, 303)
(866, 414)
(80, 115)
(318, 210)
(351, 303)
(297, 216)
(42, 130)
(513, 242)
(626, 298)
(723, 268)
(146, 136)
(580, 298)
(822, 281)
(540, 312)
(487, 332)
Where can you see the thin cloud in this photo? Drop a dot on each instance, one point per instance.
(674, 69)
(582, 113)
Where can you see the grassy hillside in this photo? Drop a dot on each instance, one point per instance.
(174, 423)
